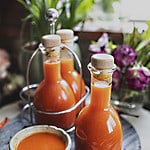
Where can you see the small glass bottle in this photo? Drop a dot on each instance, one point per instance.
(67, 65)
(98, 125)
(53, 93)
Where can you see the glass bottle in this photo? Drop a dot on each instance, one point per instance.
(98, 126)
(53, 93)
(67, 65)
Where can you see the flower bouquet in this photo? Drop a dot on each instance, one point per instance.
(10, 82)
(131, 79)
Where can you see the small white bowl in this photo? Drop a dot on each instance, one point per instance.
(19, 136)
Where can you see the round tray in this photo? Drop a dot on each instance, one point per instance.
(130, 137)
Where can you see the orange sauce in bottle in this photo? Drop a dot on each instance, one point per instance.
(73, 78)
(42, 141)
(54, 95)
(98, 126)
(67, 66)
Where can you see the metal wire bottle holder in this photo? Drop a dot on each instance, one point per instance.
(29, 87)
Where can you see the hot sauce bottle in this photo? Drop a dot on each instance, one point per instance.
(53, 93)
(98, 125)
(67, 65)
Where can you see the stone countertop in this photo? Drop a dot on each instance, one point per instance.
(140, 124)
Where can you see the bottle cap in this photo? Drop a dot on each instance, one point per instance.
(102, 61)
(51, 40)
(65, 34)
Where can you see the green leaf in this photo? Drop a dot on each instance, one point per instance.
(111, 45)
(53, 3)
(38, 3)
(34, 10)
(38, 8)
(82, 9)
(24, 4)
(142, 44)
(146, 34)
(28, 17)
(144, 55)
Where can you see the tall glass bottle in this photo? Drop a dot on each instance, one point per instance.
(67, 65)
(53, 93)
(98, 126)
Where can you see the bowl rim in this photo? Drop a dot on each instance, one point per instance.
(15, 140)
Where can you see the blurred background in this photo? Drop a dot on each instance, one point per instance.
(20, 21)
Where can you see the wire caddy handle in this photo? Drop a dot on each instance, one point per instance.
(28, 100)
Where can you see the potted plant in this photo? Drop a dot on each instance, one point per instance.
(71, 12)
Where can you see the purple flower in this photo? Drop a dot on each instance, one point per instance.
(124, 55)
(116, 79)
(138, 77)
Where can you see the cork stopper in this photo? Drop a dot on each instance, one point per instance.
(51, 40)
(65, 34)
(102, 61)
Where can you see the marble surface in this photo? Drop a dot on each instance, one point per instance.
(141, 124)
(9, 111)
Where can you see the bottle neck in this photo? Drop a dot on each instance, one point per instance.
(52, 65)
(100, 89)
(65, 53)
(67, 60)
(68, 43)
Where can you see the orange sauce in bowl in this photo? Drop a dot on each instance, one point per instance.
(42, 141)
